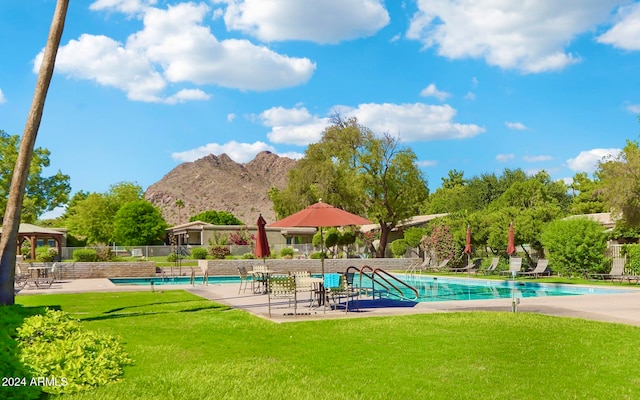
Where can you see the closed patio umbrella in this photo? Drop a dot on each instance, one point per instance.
(511, 245)
(467, 247)
(319, 215)
(262, 243)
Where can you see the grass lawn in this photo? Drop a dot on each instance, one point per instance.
(185, 347)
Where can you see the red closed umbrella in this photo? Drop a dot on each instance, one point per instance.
(262, 244)
(318, 215)
(467, 246)
(511, 245)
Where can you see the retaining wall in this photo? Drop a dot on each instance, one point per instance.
(86, 270)
(230, 267)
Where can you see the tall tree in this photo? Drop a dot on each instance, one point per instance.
(138, 223)
(11, 220)
(90, 216)
(620, 182)
(352, 169)
(42, 193)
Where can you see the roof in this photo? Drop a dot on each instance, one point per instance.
(30, 229)
(409, 222)
(604, 219)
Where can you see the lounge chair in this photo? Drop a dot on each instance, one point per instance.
(515, 264)
(623, 276)
(617, 269)
(344, 289)
(438, 267)
(540, 269)
(471, 267)
(492, 267)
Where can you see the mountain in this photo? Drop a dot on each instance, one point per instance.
(221, 184)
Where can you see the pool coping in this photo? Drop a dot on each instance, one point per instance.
(619, 308)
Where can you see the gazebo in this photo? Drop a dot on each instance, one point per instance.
(32, 233)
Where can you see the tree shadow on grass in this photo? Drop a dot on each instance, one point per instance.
(112, 315)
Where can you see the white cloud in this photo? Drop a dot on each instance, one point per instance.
(470, 96)
(518, 126)
(625, 34)
(414, 122)
(185, 95)
(634, 108)
(124, 6)
(410, 122)
(231, 117)
(238, 152)
(293, 125)
(432, 91)
(587, 161)
(175, 46)
(537, 158)
(294, 155)
(320, 21)
(530, 35)
(426, 163)
(505, 157)
(3, 99)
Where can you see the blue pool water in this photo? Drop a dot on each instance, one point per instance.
(429, 288)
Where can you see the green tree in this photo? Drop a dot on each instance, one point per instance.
(216, 218)
(13, 207)
(586, 195)
(352, 169)
(42, 193)
(454, 179)
(620, 183)
(138, 223)
(91, 216)
(575, 246)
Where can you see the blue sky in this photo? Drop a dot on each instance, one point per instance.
(141, 86)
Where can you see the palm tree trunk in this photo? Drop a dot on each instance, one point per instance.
(11, 222)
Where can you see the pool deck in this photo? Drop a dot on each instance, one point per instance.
(621, 308)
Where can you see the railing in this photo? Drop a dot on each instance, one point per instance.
(386, 280)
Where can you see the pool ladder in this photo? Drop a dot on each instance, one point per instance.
(387, 281)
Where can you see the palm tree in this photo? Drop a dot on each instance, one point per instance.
(180, 206)
(11, 220)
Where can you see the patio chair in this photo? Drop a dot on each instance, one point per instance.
(615, 276)
(282, 287)
(303, 284)
(492, 267)
(617, 269)
(22, 276)
(540, 269)
(244, 279)
(515, 264)
(345, 289)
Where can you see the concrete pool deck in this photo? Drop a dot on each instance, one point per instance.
(621, 308)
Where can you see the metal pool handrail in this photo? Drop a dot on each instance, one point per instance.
(387, 279)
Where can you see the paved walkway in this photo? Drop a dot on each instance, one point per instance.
(621, 308)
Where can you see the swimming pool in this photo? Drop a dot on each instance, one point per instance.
(443, 289)
(429, 288)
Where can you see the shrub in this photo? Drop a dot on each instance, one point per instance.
(199, 253)
(286, 251)
(575, 246)
(11, 367)
(248, 256)
(632, 251)
(318, 255)
(399, 247)
(56, 346)
(46, 254)
(173, 257)
(85, 255)
(219, 251)
(104, 253)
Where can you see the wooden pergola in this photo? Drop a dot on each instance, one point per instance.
(32, 233)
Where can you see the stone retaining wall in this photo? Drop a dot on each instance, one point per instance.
(85, 270)
(230, 267)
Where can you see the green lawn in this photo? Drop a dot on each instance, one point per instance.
(185, 347)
